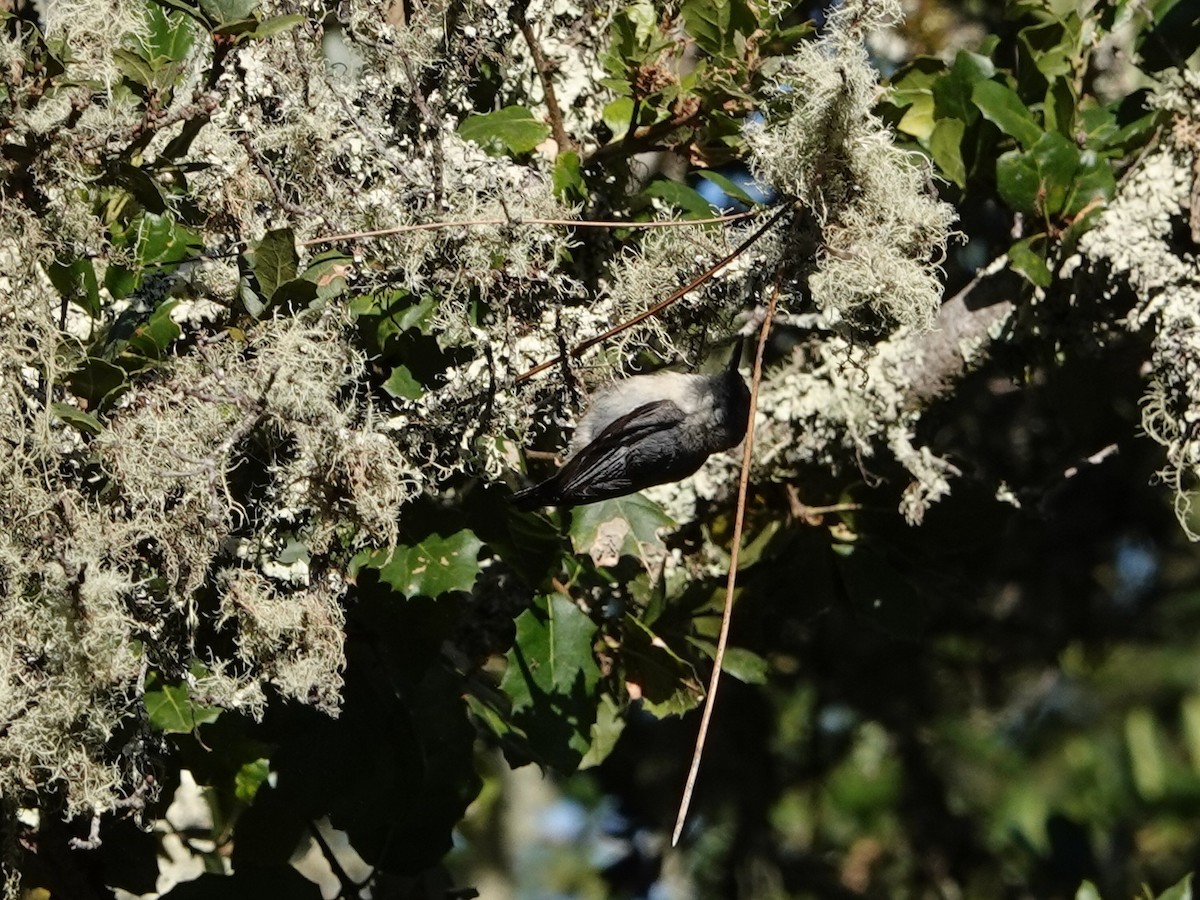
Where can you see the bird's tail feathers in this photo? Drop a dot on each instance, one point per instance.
(542, 494)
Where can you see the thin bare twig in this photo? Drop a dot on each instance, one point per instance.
(543, 70)
(579, 349)
(727, 615)
(265, 171)
(569, 223)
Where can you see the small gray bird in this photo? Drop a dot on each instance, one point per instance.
(646, 430)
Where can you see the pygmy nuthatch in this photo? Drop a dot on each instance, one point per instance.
(646, 430)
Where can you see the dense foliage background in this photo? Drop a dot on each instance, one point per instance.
(272, 276)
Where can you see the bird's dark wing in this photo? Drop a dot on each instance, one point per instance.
(600, 469)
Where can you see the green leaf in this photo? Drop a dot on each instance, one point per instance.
(726, 185)
(276, 24)
(680, 196)
(605, 731)
(1094, 187)
(552, 653)
(401, 384)
(1180, 891)
(512, 129)
(915, 80)
(1001, 106)
(150, 340)
(952, 92)
(744, 665)
(141, 185)
(1059, 107)
(76, 282)
(569, 185)
(275, 260)
(168, 34)
(918, 118)
(1050, 47)
(1017, 181)
(664, 682)
(945, 146)
(77, 418)
(1148, 758)
(1030, 263)
(1087, 891)
(1044, 178)
(226, 11)
(162, 241)
(95, 381)
(134, 66)
(626, 526)
(250, 778)
(710, 22)
(328, 272)
(295, 295)
(435, 565)
(551, 679)
(172, 711)
(238, 29)
(617, 115)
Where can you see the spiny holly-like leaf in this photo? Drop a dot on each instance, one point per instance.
(551, 680)
(432, 566)
(626, 526)
(552, 653)
(664, 681)
(512, 129)
(605, 730)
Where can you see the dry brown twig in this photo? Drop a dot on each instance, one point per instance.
(583, 346)
(570, 223)
(727, 614)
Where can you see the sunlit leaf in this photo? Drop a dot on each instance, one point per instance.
(625, 526)
(512, 129)
(172, 711)
(432, 566)
(1001, 106)
(275, 260)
